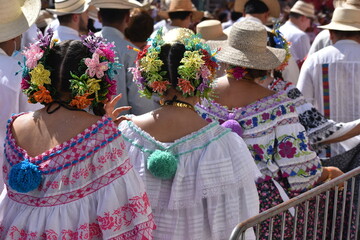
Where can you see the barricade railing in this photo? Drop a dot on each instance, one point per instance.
(329, 230)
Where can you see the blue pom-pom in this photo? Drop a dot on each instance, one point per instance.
(24, 177)
(234, 126)
(162, 164)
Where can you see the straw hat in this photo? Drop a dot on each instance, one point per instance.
(116, 4)
(303, 8)
(17, 16)
(211, 30)
(180, 6)
(63, 7)
(273, 5)
(44, 19)
(247, 47)
(344, 19)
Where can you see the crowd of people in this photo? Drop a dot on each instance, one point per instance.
(154, 120)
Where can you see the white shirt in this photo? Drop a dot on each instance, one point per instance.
(124, 78)
(343, 79)
(321, 40)
(300, 41)
(12, 100)
(63, 33)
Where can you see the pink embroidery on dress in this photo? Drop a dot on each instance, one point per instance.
(73, 195)
(85, 172)
(21, 234)
(124, 216)
(111, 156)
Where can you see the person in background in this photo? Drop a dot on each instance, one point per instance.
(268, 123)
(323, 38)
(16, 17)
(140, 28)
(73, 19)
(67, 172)
(300, 17)
(199, 176)
(115, 17)
(328, 78)
(181, 13)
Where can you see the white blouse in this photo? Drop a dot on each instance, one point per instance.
(212, 190)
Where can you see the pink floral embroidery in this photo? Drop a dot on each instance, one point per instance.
(111, 156)
(85, 172)
(106, 222)
(54, 200)
(125, 215)
(21, 234)
(287, 149)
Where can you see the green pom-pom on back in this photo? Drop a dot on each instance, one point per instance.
(162, 164)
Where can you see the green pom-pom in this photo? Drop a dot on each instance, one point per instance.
(162, 164)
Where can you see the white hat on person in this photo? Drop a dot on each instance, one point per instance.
(303, 8)
(211, 30)
(116, 4)
(64, 7)
(344, 19)
(16, 16)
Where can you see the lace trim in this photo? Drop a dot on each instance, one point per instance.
(185, 139)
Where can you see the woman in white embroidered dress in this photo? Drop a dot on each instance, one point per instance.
(269, 125)
(67, 172)
(199, 176)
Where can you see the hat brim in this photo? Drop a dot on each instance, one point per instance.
(267, 60)
(220, 38)
(30, 12)
(341, 26)
(312, 16)
(196, 17)
(115, 4)
(79, 10)
(273, 5)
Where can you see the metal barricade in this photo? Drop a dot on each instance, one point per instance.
(349, 206)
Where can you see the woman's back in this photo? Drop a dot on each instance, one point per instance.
(212, 189)
(88, 186)
(67, 173)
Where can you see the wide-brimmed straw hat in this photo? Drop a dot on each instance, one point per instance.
(116, 4)
(303, 8)
(344, 19)
(247, 47)
(63, 7)
(44, 19)
(16, 16)
(181, 6)
(273, 5)
(211, 30)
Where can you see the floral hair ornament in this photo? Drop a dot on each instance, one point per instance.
(196, 71)
(236, 72)
(282, 43)
(92, 84)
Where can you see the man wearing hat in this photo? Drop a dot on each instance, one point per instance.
(181, 14)
(115, 16)
(294, 29)
(257, 10)
(15, 18)
(73, 18)
(329, 78)
(323, 38)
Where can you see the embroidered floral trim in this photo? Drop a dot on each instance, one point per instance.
(90, 231)
(90, 132)
(73, 195)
